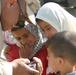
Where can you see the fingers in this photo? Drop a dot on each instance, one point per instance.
(21, 66)
(39, 64)
(26, 61)
(31, 70)
(27, 68)
(21, 60)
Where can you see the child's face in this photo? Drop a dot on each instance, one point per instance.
(52, 61)
(47, 28)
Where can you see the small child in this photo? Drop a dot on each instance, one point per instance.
(11, 51)
(62, 53)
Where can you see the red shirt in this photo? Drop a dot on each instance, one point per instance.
(42, 54)
(13, 52)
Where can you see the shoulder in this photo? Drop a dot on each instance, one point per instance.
(42, 52)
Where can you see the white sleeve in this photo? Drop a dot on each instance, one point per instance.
(6, 68)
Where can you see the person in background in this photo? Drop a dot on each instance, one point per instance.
(56, 19)
(12, 51)
(62, 51)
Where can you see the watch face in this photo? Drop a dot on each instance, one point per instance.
(8, 37)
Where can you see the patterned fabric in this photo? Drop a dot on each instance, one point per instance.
(40, 38)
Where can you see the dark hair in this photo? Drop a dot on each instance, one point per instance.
(63, 44)
(14, 28)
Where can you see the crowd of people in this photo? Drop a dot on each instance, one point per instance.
(30, 33)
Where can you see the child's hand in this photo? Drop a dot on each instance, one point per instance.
(38, 65)
(6, 52)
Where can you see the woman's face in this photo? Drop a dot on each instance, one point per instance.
(47, 28)
(25, 37)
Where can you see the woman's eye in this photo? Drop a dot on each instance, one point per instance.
(26, 36)
(48, 28)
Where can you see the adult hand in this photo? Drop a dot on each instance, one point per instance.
(38, 65)
(20, 67)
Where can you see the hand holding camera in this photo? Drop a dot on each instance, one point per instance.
(32, 65)
(36, 64)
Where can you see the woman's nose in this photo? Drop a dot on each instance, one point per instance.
(23, 40)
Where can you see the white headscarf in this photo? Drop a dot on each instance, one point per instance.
(57, 17)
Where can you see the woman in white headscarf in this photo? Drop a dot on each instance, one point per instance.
(53, 18)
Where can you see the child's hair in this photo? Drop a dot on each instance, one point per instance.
(63, 44)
